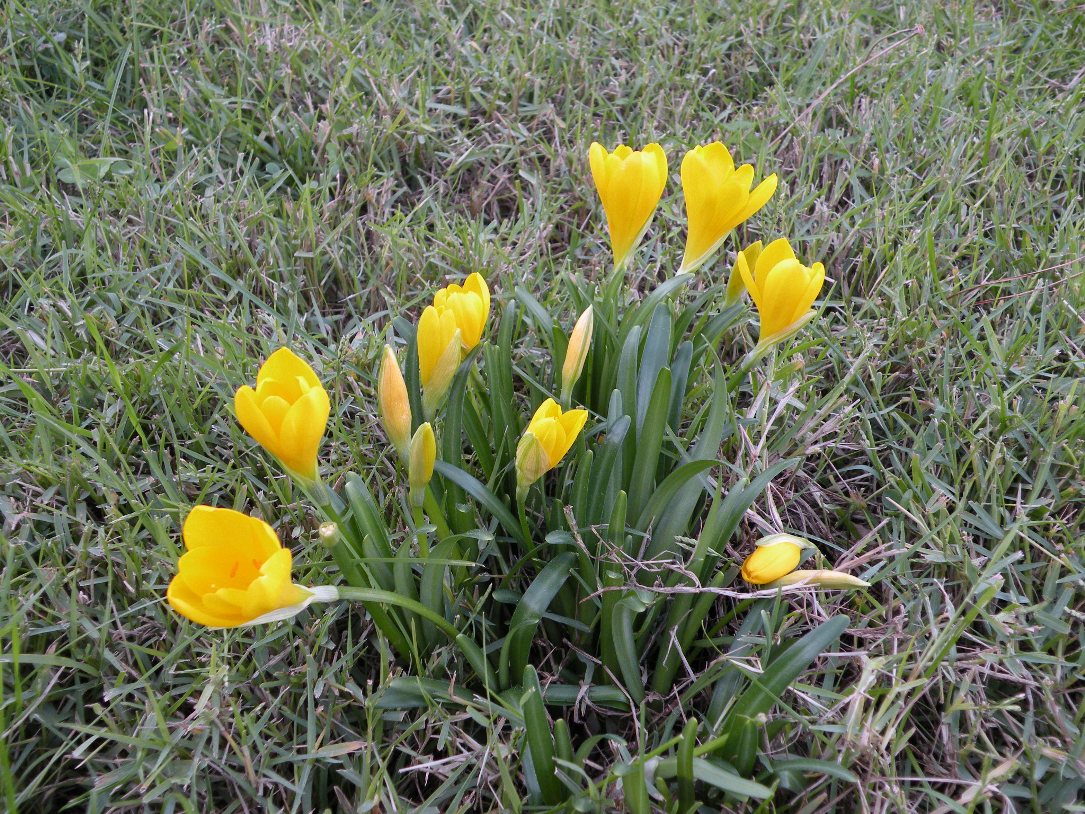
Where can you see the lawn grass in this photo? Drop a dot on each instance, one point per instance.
(185, 186)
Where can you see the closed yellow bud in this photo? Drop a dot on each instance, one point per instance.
(546, 440)
(718, 198)
(630, 183)
(234, 570)
(469, 305)
(782, 288)
(736, 287)
(438, 339)
(287, 413)
(393, 403)
(577, 353)
(423, 456)
(775, 556)
(820, 578)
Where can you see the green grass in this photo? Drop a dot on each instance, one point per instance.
(183, 186)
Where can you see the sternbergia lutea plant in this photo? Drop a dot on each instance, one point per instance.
(564, 506)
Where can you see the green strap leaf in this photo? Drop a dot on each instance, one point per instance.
(529, 611)
(484, 496)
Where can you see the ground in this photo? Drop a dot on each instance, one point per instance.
(186, 185)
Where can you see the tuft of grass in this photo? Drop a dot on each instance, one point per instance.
(185, 186)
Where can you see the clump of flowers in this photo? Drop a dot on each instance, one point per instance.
(573, 509)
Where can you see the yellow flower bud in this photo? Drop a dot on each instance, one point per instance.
(736, 287)
(469, 305)
(577, 353)
(233, 572)
(820, 578)
(630, 183)
(392, 402)
(439, 354)
(423, 455)
(718, 198)
(775, 556)
(782, 288)
(287, 412)
(546, 440)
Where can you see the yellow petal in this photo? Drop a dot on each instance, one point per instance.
(285, 365)
(210, 526)
(775, 252)
(476, 284)
(532, 461)
(190, 606)
(423, 456)
(630, 184)
(393, 403)
(435, 330)
(302, 430)
(252, 418)
(548, 409)
(769, 563)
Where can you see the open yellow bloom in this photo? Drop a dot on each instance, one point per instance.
(439, 354)
(782, 288)
(234, 571)
(718, 198)
(546, 440)
(577, 352)
(393, 403)
(736, 287)
(630, 183)
(287, 412)
(775, 556)
(469, 304)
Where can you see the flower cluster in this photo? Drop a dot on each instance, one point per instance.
(476, 428)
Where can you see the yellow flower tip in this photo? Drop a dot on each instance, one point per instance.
(819, 578)
(735, 285)
(469, 305)
(532, 462)
(630, 183)
(234, 571)
(393, 403)
(718, 197)
(287, 412)
(774, 557)
(422, 458)
(439, 353)
(782, 289)
(577, 352)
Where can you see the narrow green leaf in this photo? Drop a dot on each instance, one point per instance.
(766, 688)
(484, 496)
(653, 359)
(540, 744)
(649, 443)
(529, 611)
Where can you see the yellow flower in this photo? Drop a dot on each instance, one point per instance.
(630, 183)
(718, 198)
(234, 571)
(821, 579)
(423, 455)
(547, 438)
(469, 304)
(775, 556)
(576, 353)
(438, 340)
(392, 402)
(287, 412)
(735, 285)
(782, 288)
